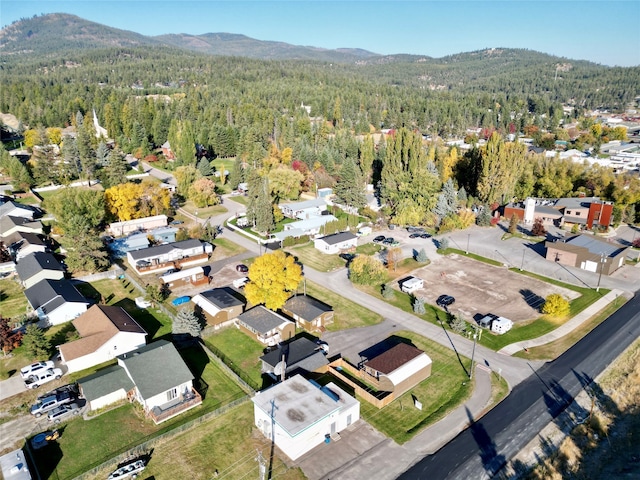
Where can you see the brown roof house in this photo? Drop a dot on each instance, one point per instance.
(399, 369)
(267, 327)
(587, 252)
(309, 313)
(105, 332)
(219, 305)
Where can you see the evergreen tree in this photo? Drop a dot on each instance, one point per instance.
(513, 224)
(484, 217)
(204, 167)
(254, 184)
(418, 306)
(449, 192)
(264, 209)
(422, 256)
(115, 172)
(71, 156)
(236, 177)
(349, 190)
(458, 324)
(35, 342)
(86, 252)
(462, 195)
(186, 322)
(387, 292)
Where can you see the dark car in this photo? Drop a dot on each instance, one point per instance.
(347, 256)
(414, 235)
(445, 300)
(242, 268)
(425, 235)
(379, 239)
(390, 242)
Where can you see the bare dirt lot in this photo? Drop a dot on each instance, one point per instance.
(480, 288)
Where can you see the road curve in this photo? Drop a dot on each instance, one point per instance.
(485, 447)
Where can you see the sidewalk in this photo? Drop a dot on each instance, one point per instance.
(363, 452)
(566, 328)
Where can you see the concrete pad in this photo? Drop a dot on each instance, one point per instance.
(480, 288)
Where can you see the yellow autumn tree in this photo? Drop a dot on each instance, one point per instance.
(122, 200)
(272, 278)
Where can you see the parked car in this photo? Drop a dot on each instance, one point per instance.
(168, 272)
(50, 402)
(241, 282)
(379, 239)
(63, 411)
(40, 378)
(425, 235)
(347, 256)
(26, 372)
(70, 388)
(390, 242)
(415, 235)
(242, 268)
(445, 300)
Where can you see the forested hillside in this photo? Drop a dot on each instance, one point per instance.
(300, 124)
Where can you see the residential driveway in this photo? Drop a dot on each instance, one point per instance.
(12, 386)
(480, 288)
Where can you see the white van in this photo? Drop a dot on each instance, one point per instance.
(411, 284)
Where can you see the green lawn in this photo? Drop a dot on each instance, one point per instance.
(368, 249)
(446, 388)
(311, 256)
(225, 248)
(204, 212)
(347, 314)
(13, 303)
(85, 444)
(241, 352)
(121, 293)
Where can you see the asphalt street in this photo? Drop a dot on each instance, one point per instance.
(484, 448)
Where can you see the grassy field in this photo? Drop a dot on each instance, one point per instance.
(13, 303)
(241, 350)
(347, 314)
(225, 248)
(204, 212)
(122, 294)
(556, 348)
(446, 388)
(311, 256)
(227, 445)
(368, 249)
(85, 444)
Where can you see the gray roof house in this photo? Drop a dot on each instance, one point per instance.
(38, 266)
(308, 312)
(300, 356)
(10, 224)
(155, 375)
(15, 209)
(336, 243)
(266, 326)
(22, 244)
(56, 301)
(163, 257)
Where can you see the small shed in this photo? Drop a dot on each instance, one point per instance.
(501, 325)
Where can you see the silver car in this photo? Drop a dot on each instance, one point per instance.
(63, 411)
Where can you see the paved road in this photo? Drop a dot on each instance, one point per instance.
(514, 370)
(481, 450)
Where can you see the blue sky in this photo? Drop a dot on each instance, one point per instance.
(605, 32)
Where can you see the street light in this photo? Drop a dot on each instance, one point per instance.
(468, 238)
(522, 264)
(602, 262)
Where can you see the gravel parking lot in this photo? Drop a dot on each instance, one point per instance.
(480, 288)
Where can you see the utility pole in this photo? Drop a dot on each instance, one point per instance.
(262, 466)
(602, 262)
(522, 264)
(473, 352)
(468, 238)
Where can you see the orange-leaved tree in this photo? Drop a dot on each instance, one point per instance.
(272, 279)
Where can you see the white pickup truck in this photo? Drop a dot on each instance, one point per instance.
(240, 282)
(40, 378)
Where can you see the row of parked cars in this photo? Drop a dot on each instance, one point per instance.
(386, 241)
(39, 373)
(58, 404)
